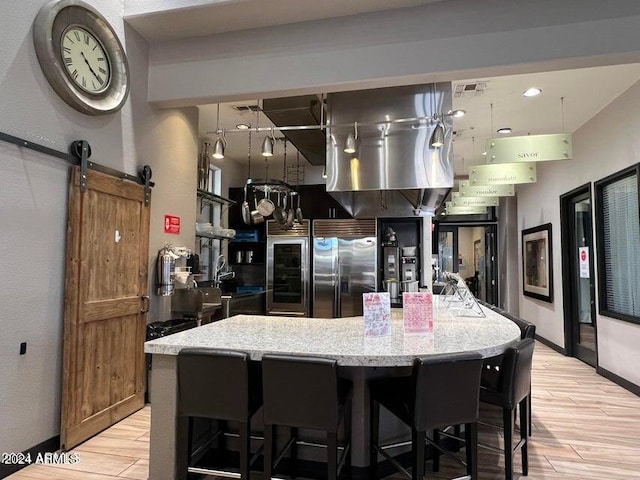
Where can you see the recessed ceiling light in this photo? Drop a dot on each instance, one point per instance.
(243, 126)
(504, 130)
(484, 154)
(531, 92)
(458, 113)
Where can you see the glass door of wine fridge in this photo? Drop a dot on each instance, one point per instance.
(288, 275)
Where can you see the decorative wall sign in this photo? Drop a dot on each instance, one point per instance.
(460, 201)
(377, 314)
(530, 148)
(467, 190)
(451, 210)
(537, 263)
(502, 173)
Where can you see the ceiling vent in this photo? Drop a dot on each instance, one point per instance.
(469, 89)
(247, 108)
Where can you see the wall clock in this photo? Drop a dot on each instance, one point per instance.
(81, 57)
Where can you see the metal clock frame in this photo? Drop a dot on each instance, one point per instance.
(52, 20)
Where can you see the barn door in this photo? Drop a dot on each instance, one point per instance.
(105, 305)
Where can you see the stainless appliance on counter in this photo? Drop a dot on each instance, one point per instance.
(344, 266)
(288, 269)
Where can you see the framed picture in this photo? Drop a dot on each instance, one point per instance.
(537, 263)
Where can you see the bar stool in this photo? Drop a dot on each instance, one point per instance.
(305, 392)
(441, 391)
(491, 367)
(221, 385)
(510, 389)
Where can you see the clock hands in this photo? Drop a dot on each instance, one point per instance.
(91, 69)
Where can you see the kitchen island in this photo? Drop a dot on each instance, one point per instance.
(340, 338)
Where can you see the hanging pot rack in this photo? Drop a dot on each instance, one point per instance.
(270, 185)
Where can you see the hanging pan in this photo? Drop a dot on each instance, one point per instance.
(279, 213)
(290, 214)
(246, 210)
(299, 217)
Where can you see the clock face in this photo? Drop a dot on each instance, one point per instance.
(85, 60)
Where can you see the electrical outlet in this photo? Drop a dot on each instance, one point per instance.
(23, 348)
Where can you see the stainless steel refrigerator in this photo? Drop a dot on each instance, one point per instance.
(344, 266)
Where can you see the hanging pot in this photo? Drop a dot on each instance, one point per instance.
(266, 206)
(246, 210)
(256, 217)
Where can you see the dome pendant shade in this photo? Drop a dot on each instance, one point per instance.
(218, 149)
(267, 147)
(437, 137)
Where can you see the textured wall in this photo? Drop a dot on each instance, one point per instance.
(604, 145)
(33, 207)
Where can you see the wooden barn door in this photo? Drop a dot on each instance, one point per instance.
(105, 305)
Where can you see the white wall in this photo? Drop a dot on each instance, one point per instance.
(446, 40)
(33, 207)
(604, 145)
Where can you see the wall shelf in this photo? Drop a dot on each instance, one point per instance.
(213, 198)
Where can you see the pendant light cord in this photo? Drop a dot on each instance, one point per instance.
(491, 119)
(284, 168)
(562, 112)
(249, 154)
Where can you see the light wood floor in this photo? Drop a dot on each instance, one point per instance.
(585, 427)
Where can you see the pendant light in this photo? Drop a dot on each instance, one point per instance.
(352, 138)
(324, 171)
(267, 145)
(218, 147)
(437, 137)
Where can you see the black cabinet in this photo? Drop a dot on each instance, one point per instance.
(317, 203)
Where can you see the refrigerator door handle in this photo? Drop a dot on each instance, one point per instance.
(338, 294)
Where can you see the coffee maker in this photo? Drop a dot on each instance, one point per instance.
(391, 265)
(410, 270)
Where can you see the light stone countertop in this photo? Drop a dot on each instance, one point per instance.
(343, 338)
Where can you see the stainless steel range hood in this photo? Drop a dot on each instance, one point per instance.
(394, 172)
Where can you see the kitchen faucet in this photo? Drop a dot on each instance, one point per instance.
(220, 276)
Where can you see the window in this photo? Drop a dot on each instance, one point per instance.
(618, 233)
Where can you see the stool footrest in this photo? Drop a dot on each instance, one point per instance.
(212, 471)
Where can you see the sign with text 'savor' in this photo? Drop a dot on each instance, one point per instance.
(530, 148)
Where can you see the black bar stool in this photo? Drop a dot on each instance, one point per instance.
(305, 392)
(509, 389)
(442, 391)
(221, 385)
(491, 367)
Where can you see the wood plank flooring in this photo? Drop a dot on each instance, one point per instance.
(584, 428)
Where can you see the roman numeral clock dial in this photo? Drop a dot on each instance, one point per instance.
(85, 60)
(81, 56)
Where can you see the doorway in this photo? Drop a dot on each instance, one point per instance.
(578, 275)
(470, 250)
